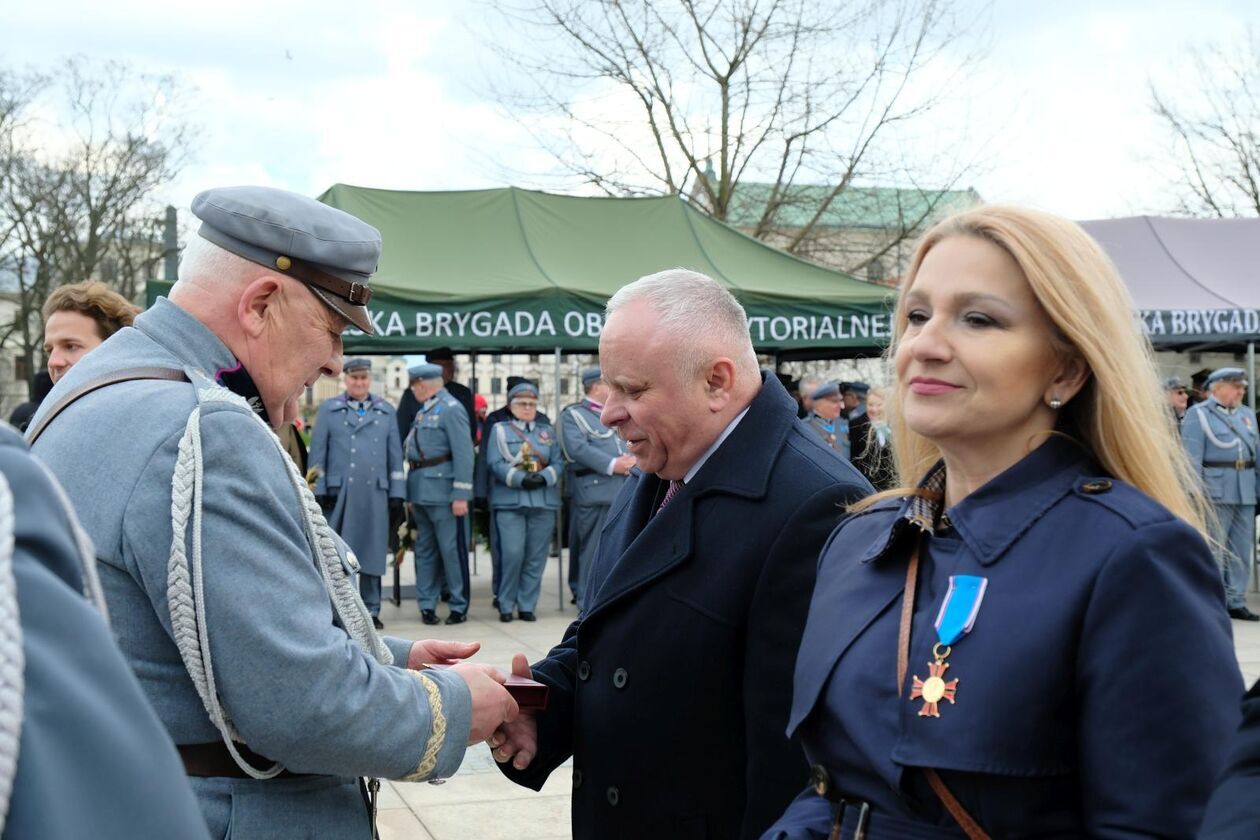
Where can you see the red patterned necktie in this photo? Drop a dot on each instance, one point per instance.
(674, 487)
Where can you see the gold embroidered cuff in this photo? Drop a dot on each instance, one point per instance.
(438, 734)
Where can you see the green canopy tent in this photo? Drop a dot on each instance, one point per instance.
(511, 269)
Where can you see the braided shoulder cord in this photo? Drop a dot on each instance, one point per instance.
(12, 658)
(185, 592)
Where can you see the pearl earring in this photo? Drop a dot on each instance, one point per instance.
(1056, 404)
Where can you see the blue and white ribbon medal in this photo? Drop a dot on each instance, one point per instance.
(955, 620)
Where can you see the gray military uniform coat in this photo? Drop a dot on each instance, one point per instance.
(590, 449)
(360, 461)
(294, 684)
(92, 758)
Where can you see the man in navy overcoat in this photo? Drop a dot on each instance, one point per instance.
(671, 690)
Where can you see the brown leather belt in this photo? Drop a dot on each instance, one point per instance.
(215, 760)
(429, 462)
(1231, 465)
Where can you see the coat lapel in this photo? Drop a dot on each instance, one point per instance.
(642, 545)
(847, 599)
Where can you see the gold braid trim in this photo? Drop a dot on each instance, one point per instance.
(431, 748)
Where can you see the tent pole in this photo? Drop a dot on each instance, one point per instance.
(559, 510)
(1251, 403)
(472, 538)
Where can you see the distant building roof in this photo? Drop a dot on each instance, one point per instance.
(882, 208)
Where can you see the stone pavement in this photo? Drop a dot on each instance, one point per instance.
(478, 802)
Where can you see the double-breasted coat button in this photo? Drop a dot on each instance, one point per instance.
(577, 778)
(614, 796)
(1102, 485)
(619, 678)
(584, 670)
(820, 781)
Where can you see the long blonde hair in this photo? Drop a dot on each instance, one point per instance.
(1120, 414)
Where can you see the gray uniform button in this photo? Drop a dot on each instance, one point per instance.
(619, 678)
(577, 779)
(584, 670)
(614, 796)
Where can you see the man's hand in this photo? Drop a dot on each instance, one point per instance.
(492, 706)
(533, 481)
(439, 652)
(516, 740)
(624, 464)
(459, 507)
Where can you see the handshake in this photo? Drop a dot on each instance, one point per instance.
(503, 705)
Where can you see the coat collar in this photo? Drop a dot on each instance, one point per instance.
(995, 516)
(646, 544)
(185, 337)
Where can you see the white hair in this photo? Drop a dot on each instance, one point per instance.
(203, 260)
(808, 384)
(699, 312)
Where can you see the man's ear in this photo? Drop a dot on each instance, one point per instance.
(258, 303)
(720, 382)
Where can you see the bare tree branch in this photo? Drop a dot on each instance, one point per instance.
(635, 96)
(1216, 132)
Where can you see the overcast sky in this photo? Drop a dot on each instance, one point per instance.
(381, 93)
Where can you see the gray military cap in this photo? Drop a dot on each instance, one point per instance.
(826, 389)
(589, 375)
(1227, 374)
(357, 364)
(424, 371)
(523, 389)
(1174, 383)
(329, 250)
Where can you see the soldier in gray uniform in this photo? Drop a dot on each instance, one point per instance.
(521, 457)
(73, 720)
(1221, 439)
(356, 450)
(231, 597)
(439, 486)
(825, 418)
(598, 466)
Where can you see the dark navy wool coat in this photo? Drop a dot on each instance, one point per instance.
(671, 691)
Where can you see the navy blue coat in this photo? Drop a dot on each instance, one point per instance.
(671, 690)
(1233, 812)
(1098, 688)
(93, 759)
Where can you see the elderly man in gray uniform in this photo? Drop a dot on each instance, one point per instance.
(827, 420)
(231, 596)
(440, 453)
(1221, 439)
(356, 451)
(598, 466)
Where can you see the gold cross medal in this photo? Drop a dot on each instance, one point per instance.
(955, 620)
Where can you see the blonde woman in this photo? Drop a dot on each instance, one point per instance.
(872, 452)
(1027, 640)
